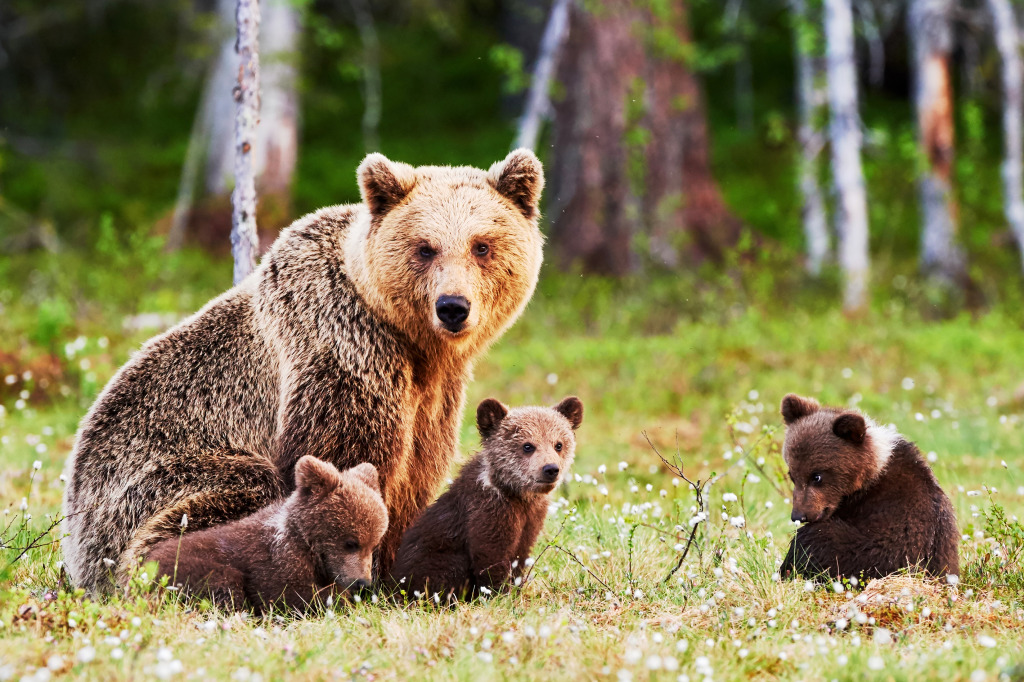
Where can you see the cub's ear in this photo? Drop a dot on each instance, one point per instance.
(520, 179)
(572, 409)
(314, 477)
(794, 407)
(366, 473)
(850, 427)
(489, 414)
(384, 183)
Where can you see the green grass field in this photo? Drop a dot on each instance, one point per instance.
(699, 368)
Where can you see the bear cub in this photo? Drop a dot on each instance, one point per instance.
(477, 536)
(869, 502)
(317, 542)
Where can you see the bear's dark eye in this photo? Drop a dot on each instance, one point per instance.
(558, 447)
(815, 479)
(351, 546)
(426, 252)
(528, 448)
(481, 249)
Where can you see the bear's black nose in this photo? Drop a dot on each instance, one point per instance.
(452, 311)
(360, 584)
(798, 516)
(549, 472)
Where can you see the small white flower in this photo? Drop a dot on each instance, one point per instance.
(952, 579)
(882, 636)
(933, 456)
(602, 469)
(24, 504)
(737, 521)
(876, 663)
(753, 478)
(484, 590)
(907, 383)
(986, 641)
(109, 563)
(552, 379)
(622, 466)
(729, 497)
(86, 654)
(37, 465)
(653, 662)
(184, 521)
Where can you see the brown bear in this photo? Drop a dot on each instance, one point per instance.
(478, 535)
(315, 544)
(870, 502)
(352, 342)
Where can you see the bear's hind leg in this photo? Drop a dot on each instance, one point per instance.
(213, 487)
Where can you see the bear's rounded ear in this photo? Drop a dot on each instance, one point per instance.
(520, 179)
(572, 409)
(384, 183)
(315, 477)
(794, 407)
(367, 473)
(489, 414)
(850, 427)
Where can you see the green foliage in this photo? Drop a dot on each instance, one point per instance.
(509, 61)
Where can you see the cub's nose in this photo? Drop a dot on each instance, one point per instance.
(360, 584)
(452, 311)
(798, 516)
(549, 472)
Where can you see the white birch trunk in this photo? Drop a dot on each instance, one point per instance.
(537, 104)
(810, 98)
(1007, 38)
(844, 130)
(220, 122)
(244, 241)
(928, 22)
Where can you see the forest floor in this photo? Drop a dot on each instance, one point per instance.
(700, 372)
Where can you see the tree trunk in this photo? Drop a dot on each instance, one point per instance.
(244, 241)
(930, 30)
(1007, 38)
(277, 140)
(631, 176)
(538, 105)
(810, 101)
(844, 131)
(371, 74)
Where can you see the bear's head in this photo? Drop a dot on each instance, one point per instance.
(341, 517)
(528, 449)
(448, 255)
(831, 454)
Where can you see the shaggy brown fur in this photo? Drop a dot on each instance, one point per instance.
(480, 532)
(871, 503)
(353, 341)
(317, 543)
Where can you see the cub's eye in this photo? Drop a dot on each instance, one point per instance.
(427, 253)
(815, 479)
(351, 546)
(528, 448)
(558, 447)
(481, 249)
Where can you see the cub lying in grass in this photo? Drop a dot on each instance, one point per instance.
(317, 542)
(477, 536)
(870, 501)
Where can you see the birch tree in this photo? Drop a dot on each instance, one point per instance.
(1007, 38)
(810, 100)
(845, 134)
(929, 25)
(244, 240)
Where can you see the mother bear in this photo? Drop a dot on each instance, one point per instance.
(353, 341)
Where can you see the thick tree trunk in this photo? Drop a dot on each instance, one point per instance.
(848, 176)
(244, 241)
(930, 30)
(277, 140)
(631, 176)
(810, 101)
(371, 74)
(1007, 37)
(538, 105)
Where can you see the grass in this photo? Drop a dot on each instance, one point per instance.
(699, 364)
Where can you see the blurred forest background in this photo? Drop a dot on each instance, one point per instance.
(850, 150)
